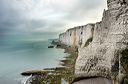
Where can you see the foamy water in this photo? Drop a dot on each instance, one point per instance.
(26, 80)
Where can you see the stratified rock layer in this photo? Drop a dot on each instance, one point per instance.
(102, 46)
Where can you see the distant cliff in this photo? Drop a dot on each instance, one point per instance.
(77, 36)
(103, 46)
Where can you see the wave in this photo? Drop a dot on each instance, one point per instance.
(26, 80)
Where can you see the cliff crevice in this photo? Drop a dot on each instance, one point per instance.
(103, 45)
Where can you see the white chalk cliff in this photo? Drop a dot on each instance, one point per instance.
(103, 46)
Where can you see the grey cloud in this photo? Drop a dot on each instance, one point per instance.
(17, 21)
(84, 8)
(92, 4)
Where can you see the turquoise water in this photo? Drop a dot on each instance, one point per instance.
(20, 56)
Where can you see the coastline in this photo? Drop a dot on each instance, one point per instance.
(103, 49)
(56, 75)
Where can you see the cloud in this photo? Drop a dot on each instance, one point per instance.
(46, 17)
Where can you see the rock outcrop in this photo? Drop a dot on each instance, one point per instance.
(103, 46)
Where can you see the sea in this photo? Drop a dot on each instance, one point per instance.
(17, 56)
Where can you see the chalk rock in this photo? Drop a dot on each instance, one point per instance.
(103, 45)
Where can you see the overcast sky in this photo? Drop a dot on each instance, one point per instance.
(42, 19)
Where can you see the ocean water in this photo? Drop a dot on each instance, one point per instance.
(20, 56)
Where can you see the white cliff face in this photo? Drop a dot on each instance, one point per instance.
(77, 36)
(117, 36)
(104, 45)
(92, 58)
(87, 33)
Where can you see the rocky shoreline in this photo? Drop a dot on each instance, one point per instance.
(58, 74)
(96, 50)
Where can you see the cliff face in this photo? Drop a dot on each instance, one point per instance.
(104, 45)
(77, 36)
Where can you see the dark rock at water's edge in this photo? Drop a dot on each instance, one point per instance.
(58, 74)
(56, 68)
(51, 46)
(58, 46)
(28, 73)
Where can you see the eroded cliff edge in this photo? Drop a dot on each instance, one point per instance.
(102, 46)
